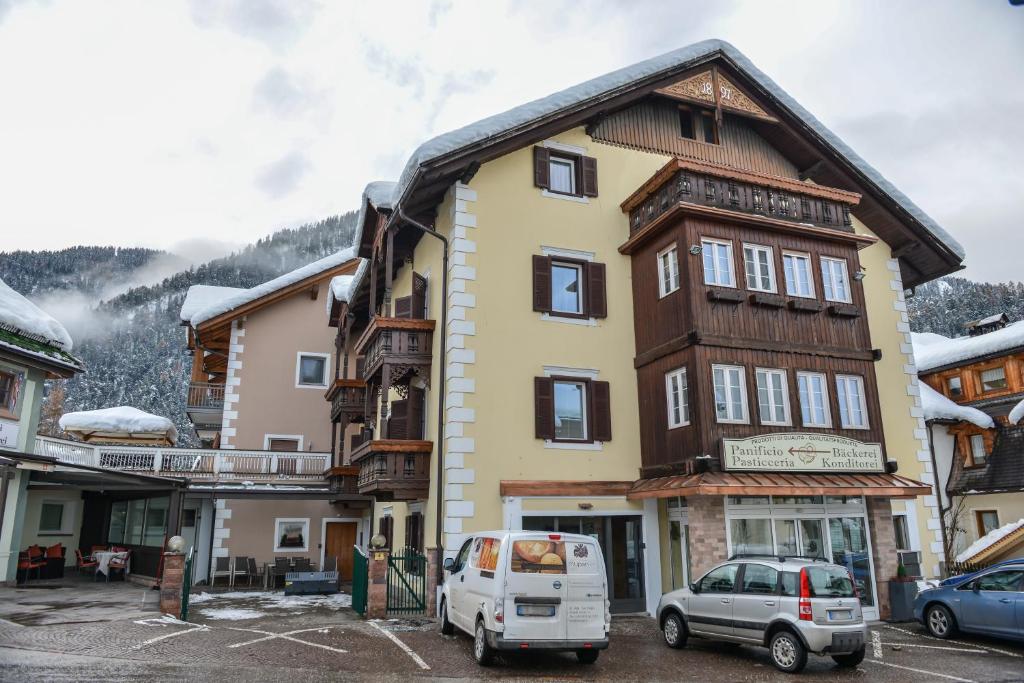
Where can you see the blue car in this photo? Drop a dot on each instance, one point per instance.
(960, 578)
(989, 602)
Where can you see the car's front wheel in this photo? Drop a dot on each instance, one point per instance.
(850, 660)
(482, 652)
(787, 652)
(940, 622)
(447, 627)
(674, 631)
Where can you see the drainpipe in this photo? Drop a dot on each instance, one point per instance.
(213, 524)
(938, 495)
(441, 385)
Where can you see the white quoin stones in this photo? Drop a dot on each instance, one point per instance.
(232, 385)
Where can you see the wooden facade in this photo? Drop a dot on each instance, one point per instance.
(971, 386)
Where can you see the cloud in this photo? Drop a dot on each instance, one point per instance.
(283, 176)
(281, 94)
(276, 23)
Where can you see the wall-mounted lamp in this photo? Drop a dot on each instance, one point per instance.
(859, 275)
(696, 249)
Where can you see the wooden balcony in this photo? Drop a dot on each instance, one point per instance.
(348, 400)
(404, 344)
(204, 406)
(393, 470)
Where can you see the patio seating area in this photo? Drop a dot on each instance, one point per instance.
(38, 564)
(271, 575)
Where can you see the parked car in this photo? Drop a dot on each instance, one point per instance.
(792, 606)
(989, 602)
(521, 591)
(961, 578)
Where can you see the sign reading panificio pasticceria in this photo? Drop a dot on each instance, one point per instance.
(800, 452)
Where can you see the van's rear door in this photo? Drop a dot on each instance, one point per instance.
(536, 588)
(584, 614)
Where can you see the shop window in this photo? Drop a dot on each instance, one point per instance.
(291, 535)
(760, 268)
(813, 390)
(988, 520)
(835, 280)
(853, 413)
(668, 271)
(772, 396)
(797, 271)
(730, 394)
(718, 268)
(311, 370)
(954, 386)
(142, 521)
(751, 536)
(993, 379)
(676, 398)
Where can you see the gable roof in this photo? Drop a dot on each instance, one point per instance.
(933, 351)
(199, 297)
(452, 154)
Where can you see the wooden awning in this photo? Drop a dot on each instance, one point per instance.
(775, 484)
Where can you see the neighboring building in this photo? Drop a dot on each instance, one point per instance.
(674, 320)
(977, 388)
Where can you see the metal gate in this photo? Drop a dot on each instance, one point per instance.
(407, 582)
(186, 586)
(360, 580)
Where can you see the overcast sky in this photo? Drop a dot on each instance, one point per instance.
(156, 123)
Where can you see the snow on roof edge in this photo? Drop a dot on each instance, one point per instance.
(381, 194)
(198, 297)
(1017, 414)
(931, 353)
(20, 316)
(938, 407)
(988, 540)
(342, 287)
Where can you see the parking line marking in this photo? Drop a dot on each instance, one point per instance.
(876, 644)
(958, 642)
(170, 635)
(405, 648)
(939, 647)
(286, 636)
(921, 671)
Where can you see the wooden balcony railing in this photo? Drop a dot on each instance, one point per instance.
(394, 470)
(398, 341)
(205, 396)
(348, 400)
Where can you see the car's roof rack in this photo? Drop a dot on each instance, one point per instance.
(780, 558)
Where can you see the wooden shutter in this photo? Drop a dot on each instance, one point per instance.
(601, 411)
(385, 527)
(542, 284)
(541, 167)
(597, 294)
(544, 408)
(398, 423)
(589, 176)
(414, 421)
(403, 307)
(419, 297)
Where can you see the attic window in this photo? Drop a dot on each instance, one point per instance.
(955, 387)
(710, 127)
(686, 127)
(993, 379)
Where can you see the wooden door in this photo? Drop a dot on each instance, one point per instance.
(341, 537)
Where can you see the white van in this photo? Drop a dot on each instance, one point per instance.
(528, 590)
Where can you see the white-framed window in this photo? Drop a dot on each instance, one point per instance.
(773, 396)
(567, 287)
(291, 534)
(978, 453)
(901, 531)
(718, 268)
(813, 390)
(676, 390)
(562, 174)
(760, 268)
(955, 387)
(853, 410)
(570, 410)
(668, 271)
(797, 270)
(730, 393)
(835, 280)
(311, 369)
(55, 517)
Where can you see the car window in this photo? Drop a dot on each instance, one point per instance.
(759, 578)
(460, 559)
(1000, 581)
(721, 580)
(790, 584)
(830, 582)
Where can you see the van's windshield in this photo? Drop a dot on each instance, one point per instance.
(830, 582)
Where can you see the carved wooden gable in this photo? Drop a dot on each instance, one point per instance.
(701, 89)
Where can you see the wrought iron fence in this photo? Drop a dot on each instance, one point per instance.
(407, 582)
(360, 579)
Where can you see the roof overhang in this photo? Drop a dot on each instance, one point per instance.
(764, 484)
(47, 470)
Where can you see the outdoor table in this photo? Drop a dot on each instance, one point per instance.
(103, 558)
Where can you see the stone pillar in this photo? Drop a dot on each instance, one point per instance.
(171, 584)
(883, 549)
(706, 516)
(433, 555)
(377, 585)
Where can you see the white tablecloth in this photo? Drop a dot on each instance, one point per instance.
(103, 558)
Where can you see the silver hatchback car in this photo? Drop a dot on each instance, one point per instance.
(791, 605)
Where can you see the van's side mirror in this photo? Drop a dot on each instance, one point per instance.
(695, 587)
(449, 564)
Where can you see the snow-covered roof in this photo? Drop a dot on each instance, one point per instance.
(935, 351)
(20, 316)
(119, 423)
(1017, 414)
(199, 297)
(343, 287)
(380, 194)
(989, 539)
(244, 296)
(938, 407)
(998, 317)
(597, 88)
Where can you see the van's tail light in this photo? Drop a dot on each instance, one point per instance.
(805, 596)
(856, 592)
(499, 610)
(555, 537)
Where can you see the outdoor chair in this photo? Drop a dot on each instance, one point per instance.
(29, 560)
(221, 567)
(97, 548)
(119, 564)
(54, 559)
(83, 564)
(240, 568)
(302, 564)
(254, 571)
(330, 563)
(281, 567)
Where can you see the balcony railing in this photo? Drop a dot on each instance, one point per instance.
(394, 470)
(205, 396)
(399, 341)
(194, 463)
(348, 400)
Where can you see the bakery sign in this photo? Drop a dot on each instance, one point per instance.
(801, 452)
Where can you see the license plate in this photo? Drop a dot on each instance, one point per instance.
(535, 610)
(839, 614)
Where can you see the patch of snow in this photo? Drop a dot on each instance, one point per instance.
(938, 407)
(245, 296)
(931, 353)
(120, 419)
(602, 87)
(275, 600)
(989, 539)
(379, 194)
(162, 620)
(1017, 414)
(343, 287)
(21, 316)
(230, 613)
(199, 297)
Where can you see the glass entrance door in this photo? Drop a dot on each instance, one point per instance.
(800, 537)
(849, 540)
(679, 553)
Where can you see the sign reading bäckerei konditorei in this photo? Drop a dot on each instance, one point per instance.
(801, 452)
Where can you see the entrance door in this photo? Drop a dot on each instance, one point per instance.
(340, 539)
(679, 553)
(849, 539)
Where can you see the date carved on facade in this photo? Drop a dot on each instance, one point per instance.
(701, 89)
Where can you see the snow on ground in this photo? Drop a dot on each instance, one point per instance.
(1017, 414)
(989, 539)
(938, 407)
(118, 419)
(18, 314)
(274, 600)
(231, 613)
(244, 296)
(199, 297)
(933, 350)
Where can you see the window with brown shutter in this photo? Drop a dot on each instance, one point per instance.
(419, 297)
(398, 421)
(597, 297)
(572, 410)
(386, 528)
(403, 307)
(569, 288)
(601, 411)
(541, 171)
(544, 408)
(589, 176)
(542, 284)
(565, 173)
